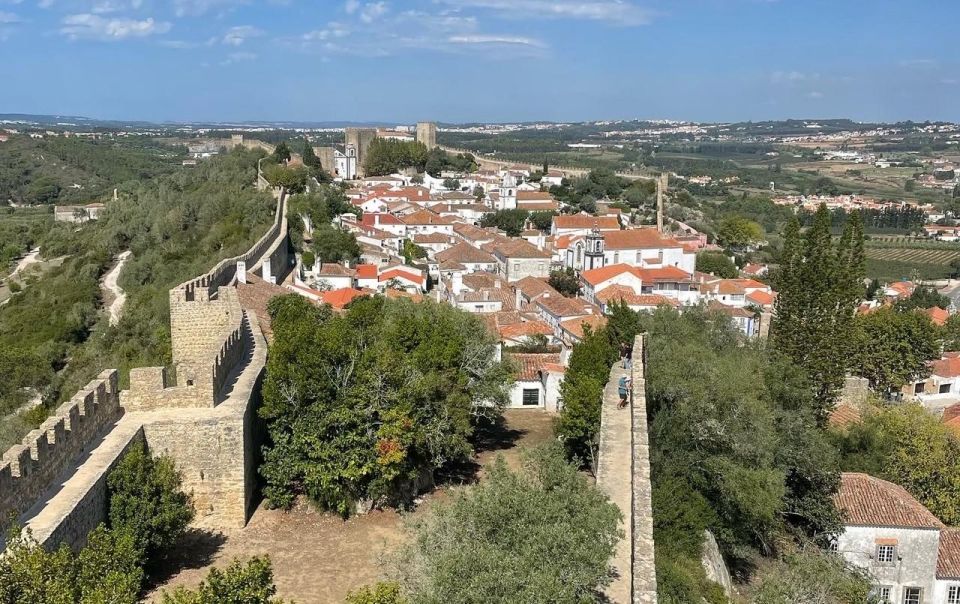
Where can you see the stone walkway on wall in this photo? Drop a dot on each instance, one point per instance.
(623, 473)
(613, 477)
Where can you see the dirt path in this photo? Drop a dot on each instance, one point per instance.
(26, 262)
(317, 557)
(117, 296)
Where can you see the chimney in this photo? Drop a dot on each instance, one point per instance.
(541, 240)
(486, 295)
(496, 284)
(456, 283)
(241, 270)
(376, 220)
(517, 298)
(114, 194)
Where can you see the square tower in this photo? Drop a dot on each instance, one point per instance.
(427, 134)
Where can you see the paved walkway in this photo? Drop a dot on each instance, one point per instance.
(614, 469)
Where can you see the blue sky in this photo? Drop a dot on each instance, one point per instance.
(480, 60)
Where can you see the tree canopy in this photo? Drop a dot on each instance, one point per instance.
(539, 534)
(366, 405)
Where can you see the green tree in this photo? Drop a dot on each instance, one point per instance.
(383, 592)
(739, 232)
(716, 263)
(365, 405)
(896, 348)
(819, 287)
(281, 153)
(249, 582)
(566, 281)
(412, 252)
(812, 575)
(146, 501)
(542, 534)
(582, 394)
(510, 222)
(386, 156)
(542, 220)
(293, 179)
(331, 244)
(452, 184)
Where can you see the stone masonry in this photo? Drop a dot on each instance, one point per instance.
(204, 417)
(623, 473)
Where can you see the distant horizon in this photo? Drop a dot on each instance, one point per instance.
(488, 61)
(330, 123)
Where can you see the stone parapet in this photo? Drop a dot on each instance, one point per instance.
(28, 469)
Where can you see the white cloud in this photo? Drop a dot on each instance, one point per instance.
(919, 63)
(194, 8)
(814, 94)
(373, 11)
(351, 6)
(416, 31)
(89, 26)
(237, 57)
(45, 3)
(496, 40)
(7, 18)
(616, 12)
(239, 34)
(101, 7)
(793, 77)
(949, 81)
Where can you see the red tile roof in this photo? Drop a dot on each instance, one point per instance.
(339, 298)
(576, 326)
(844, 415)
(527, 328)
(366, 271)
(426, 217)
(464, 253)
(586, 221)
(938, 315)
(530, 365)
(396, 273)
(864, 500)
(637, 239)
(947, 367)
(370, 219)
(948, 555)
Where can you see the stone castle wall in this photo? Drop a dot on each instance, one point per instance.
(55, 482)
(28, 469)
(623, 473)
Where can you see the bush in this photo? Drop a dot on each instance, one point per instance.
(241, 583)
(383, 592)
(146, 500)
(541, 534)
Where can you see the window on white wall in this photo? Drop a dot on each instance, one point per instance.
(886, 554)
(912, 595)
(883, 594)
(953, 594)
(531, 397)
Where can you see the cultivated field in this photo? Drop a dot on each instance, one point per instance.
(915, 255)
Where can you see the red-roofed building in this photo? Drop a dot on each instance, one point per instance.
(581, 224)
(385, 222)
(937, 315)
(538, 379)
(942, 388)
(669, 281)
(644, 248)
(908, 553)
(404, 278)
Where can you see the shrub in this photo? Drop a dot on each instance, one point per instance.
(249, 582)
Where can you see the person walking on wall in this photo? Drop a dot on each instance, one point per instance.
(626, 353)
(623, 389)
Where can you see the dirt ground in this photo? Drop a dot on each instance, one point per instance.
(318, 557)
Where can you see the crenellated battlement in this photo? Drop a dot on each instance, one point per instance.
(30, 467)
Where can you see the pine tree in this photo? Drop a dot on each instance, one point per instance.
(820, 286)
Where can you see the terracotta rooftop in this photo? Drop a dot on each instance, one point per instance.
(331, 269)
(576, 326)
(464, 253)
(865, 500)
(947, 367)
(843, 416)
(532, 287)
(524, 329)
(530, 365)
(515, 248)
(637, 239)
(948, 555)
(254, 295)
(586, 221)
(938, 315)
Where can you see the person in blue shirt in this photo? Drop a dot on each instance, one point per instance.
(623, 388)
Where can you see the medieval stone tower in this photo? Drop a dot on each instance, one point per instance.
(360, 138)
(427, 134)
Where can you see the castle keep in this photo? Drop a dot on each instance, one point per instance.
(205, 418)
